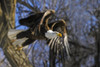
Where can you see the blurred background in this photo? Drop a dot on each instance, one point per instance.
(83, 28)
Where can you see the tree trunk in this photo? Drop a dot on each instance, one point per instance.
(52, 58)
(7, 15)
(97, 57)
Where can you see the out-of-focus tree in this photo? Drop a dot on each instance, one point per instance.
(95, 31)
(7, 21)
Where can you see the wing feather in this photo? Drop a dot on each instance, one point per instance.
(60, 26)
(31, 20)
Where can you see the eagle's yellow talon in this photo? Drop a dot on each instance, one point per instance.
(13, 40)
(19, 48)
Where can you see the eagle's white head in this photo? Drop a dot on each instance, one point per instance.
(52, 34)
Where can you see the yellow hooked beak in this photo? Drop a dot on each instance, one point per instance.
(59, 34)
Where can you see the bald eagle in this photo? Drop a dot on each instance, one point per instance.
(39, 29)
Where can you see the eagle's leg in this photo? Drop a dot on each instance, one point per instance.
(19, 48)
(13, 40)
(27, 42)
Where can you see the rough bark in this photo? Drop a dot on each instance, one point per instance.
(52, 58)
(97, 37)
(15, 58)
(97, 57)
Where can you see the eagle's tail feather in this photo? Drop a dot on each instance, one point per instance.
(12, 33)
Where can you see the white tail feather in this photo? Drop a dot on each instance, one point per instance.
(13, 32)
(12, 36)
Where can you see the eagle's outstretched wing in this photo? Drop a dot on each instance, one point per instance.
(37, 20)
(31, 20)
(45, 18)
(59, 43)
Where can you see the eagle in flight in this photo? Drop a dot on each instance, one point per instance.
(41, 29)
